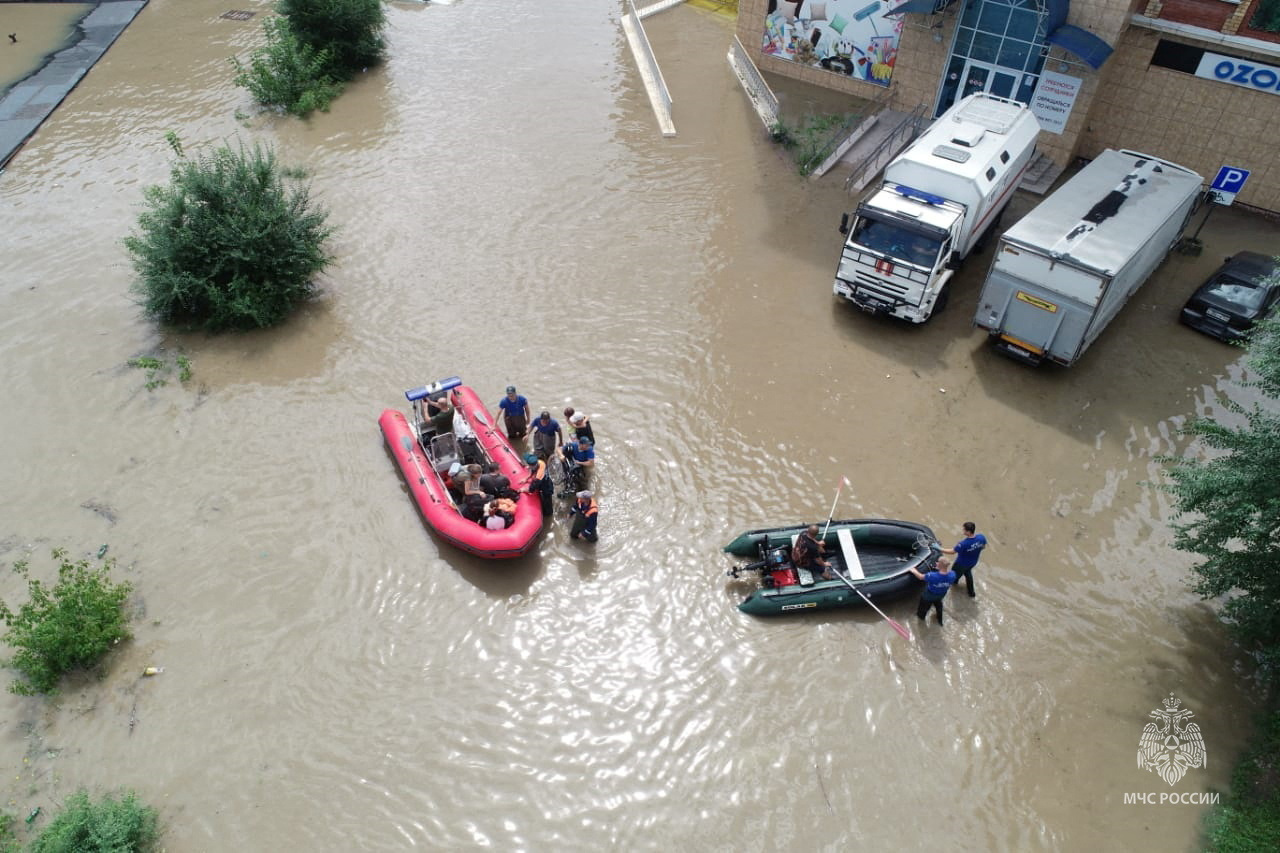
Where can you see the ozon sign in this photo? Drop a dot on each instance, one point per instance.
(1241, 72)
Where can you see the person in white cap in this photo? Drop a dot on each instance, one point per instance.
(585, 514)
(580, 424)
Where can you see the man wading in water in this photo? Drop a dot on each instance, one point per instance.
(936, 584)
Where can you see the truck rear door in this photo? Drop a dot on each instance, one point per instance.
(1030, 323)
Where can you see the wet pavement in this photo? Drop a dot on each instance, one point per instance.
(28, 103)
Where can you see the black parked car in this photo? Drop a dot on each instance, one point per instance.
(1239, 294)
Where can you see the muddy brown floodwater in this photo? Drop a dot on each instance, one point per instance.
(336, 678)
(41, 29)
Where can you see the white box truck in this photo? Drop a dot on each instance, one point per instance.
(1063, 271)
(938, 199)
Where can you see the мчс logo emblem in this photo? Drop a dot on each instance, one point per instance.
(1171, 746)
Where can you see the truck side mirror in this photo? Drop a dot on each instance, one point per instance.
(953, 262)
(844, 224)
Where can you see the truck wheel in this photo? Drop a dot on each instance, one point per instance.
(940, 304)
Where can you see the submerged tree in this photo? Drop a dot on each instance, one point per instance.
(67, 626)
(233, 242)
(112, 824)
(1233, 501)
(311, 50)
(287, 73)
(349, 30)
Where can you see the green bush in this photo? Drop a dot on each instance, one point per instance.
(287, 73)
(227, 244)
(110, 825)
(350, 31)
(813, 139)
(1250, 819)
(8, 835)
(70, 626)
(1266, 16)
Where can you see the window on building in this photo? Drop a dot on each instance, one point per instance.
(999, 48)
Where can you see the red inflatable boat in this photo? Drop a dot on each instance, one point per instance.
(425, 455)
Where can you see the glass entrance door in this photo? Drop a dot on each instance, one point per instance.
(981, 77)
(997, 48)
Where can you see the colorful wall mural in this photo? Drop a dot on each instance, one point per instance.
(850, 37)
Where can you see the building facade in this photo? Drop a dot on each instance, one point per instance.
(1196, 82)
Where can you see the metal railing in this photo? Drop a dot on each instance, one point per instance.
(650, 73)
(766, 103)
(908, 128)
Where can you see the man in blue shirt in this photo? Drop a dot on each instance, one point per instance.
(936, 584)
(579, 457)
(547, 435)
(515, 413)
(967, 552)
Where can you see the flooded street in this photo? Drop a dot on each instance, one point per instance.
(336, 677)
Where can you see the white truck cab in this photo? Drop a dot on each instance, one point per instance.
(937, 201)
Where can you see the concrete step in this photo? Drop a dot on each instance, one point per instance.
(1040, 175)
(857, 158)
(845, 146)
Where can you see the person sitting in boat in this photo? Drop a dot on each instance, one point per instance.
(449, 478)
(585, 514)
(807, 553)
(472, 508)
(496, 484)
(469, 476)
(489, 480)
(500, 514)
(540, 483)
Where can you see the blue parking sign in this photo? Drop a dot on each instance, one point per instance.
(1230, 181)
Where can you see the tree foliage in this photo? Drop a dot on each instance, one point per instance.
(110, 825)
(1266, 16)
(233, 242)
(311, 50)
(1232, 505)
(66, 627)
(350, 31)
(288, 73)
(1249, 820)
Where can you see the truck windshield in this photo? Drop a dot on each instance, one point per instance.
(894, 241)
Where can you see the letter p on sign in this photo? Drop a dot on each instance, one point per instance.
(1230, 181)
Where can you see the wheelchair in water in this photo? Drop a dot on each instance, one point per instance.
(569, 476)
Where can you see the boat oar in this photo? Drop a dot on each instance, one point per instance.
(407, 444)
(902, 631)
(844, 481)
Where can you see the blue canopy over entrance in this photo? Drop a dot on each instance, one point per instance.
(1082, 43)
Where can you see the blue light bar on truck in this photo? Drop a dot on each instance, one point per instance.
(919, 195)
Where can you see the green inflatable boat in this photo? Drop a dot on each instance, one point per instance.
(872, 556)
